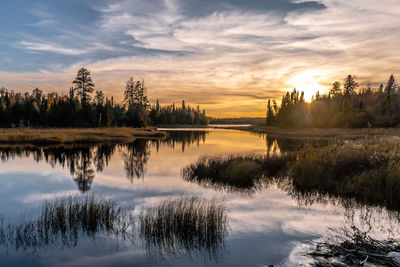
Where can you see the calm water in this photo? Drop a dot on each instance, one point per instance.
(266, 225)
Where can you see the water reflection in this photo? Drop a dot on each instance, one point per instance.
(184, 139)
(135, 157)
(62, 222)
(187, 225)
(264, 222)
(83, 160)
(190, 226)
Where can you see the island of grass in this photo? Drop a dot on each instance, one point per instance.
(77, 135)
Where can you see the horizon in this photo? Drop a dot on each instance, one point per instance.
(227, 56)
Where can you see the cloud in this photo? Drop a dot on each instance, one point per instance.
(230, 54)
(53, 48)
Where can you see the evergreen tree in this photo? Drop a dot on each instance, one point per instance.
(389, 89)
(99, 98)
(84, 85)
(336, 89)
(270, 114)
(350, 86)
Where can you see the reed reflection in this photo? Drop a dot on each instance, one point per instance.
(181, 226)
(190, 226)
(62, 222)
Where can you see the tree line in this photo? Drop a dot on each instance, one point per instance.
(85, 107)
(344, 106)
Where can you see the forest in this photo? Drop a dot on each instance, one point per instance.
(347, 106)
(85, 107)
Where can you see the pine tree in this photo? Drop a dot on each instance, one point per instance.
(99, 98)
(270, 114)
(336, 89)
(389, 89)
(350, 86)
(129, 93)
(84, 85)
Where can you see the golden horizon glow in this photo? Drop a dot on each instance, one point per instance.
(227, 58)
(309, 82)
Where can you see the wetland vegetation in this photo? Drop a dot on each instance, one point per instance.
(188, 224)
(367, 170)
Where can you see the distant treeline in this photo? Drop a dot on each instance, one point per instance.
(85, 107)
(242, 120)
(170, 115)
(343, 106)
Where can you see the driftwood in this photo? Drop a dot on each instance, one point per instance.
(352, 247)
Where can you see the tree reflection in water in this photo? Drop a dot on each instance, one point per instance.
(84, 160)
(135, 156)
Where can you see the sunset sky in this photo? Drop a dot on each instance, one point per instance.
(228, 56)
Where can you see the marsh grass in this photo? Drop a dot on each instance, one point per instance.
(235, 172)
(366, 170)
(62, 221)
(73, 136)
(188, 225)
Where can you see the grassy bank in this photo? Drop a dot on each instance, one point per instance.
(366, 170)
(345, 133)
(76, 135)
(234, 172)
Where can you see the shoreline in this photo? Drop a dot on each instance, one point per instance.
(301, 133)
(59, 136)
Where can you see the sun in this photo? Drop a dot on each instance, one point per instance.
(309, 82)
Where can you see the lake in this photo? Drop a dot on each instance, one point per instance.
(266, 225)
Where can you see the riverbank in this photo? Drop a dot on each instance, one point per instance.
(76, 135)
(318, 132)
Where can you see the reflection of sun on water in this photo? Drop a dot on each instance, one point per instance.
(309, 82)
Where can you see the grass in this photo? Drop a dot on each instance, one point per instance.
(188, 224)
(234, 172)
(366, 170)
(71, 136)
(62, 220)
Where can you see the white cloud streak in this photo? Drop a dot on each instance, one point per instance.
(235, 57)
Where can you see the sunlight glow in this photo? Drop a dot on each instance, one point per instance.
(309, 82)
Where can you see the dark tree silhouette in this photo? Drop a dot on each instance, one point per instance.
(350, 86)
(336, 89)
(83, 85)
(75, 109)
(367, 107)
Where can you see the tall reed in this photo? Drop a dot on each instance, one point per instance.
(61, 221)
(185, 224)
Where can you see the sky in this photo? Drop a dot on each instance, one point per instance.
(228, 56)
